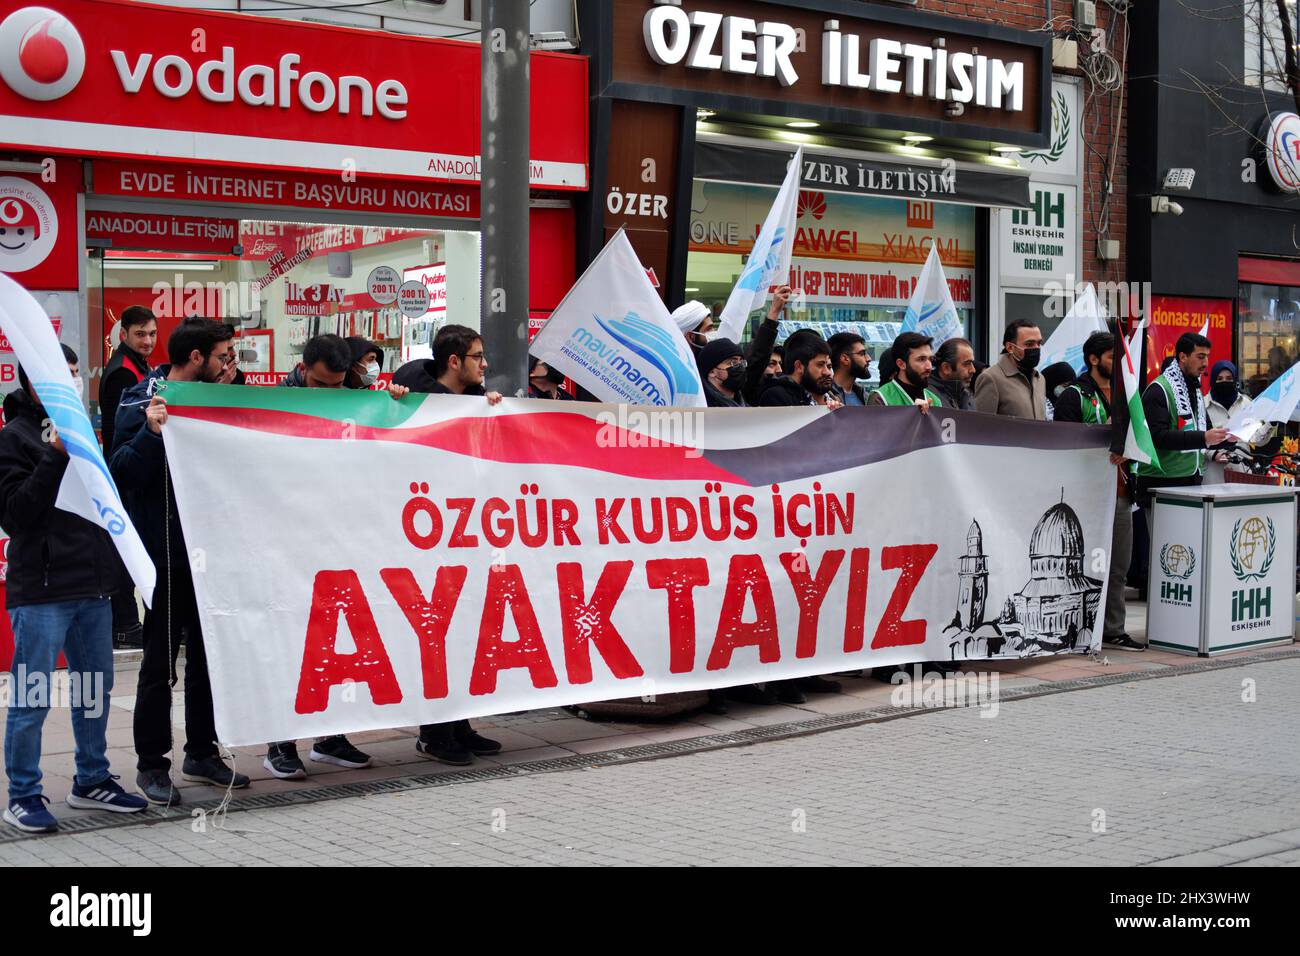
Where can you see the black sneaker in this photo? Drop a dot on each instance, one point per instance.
(444, 750)
(788, 692)
(339, 751)
(819, 685)
(131, 637)
(283, 761)
(213, 770)
(474, 742)
(157, 787)
(1123, 642)
(752, 694)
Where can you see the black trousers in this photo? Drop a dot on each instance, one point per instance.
(153, 730)
(126, 616)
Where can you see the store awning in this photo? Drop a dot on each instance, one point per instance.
(929, 180)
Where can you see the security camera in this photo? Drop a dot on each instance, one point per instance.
(1161, 204)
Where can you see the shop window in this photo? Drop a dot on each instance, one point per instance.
(1265, 62)
(293, 280)
(1268, 323)
(856, 258)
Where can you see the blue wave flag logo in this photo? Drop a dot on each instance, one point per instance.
(655, 346)
(912, 320)
(64, 407)
(760, 266)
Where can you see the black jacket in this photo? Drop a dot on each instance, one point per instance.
(54, 555)
(124, 369)
(417, 375)
(952, 393)
(1164, 430)
(715, 399)
(760, 351)
(139, 467)
(1068, 407)
(783, 390)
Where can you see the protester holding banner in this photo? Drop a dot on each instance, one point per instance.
(851, 361)
(198, 350)
(458, 367)
(1087, 401)
(61, 570)
(1175, 415)
(137, 333)
(1013, 385)
(954, 366)
(913, 362)
(328, 361)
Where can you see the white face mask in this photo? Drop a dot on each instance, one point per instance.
(79, 386)
(371, 374)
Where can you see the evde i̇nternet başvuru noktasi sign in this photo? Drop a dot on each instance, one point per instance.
(534, 554)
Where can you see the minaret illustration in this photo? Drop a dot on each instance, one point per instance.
(974, 575)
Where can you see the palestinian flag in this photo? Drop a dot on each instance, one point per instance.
(1138, 445)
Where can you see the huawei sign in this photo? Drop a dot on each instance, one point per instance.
(41, 53)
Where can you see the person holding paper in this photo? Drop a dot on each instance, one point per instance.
(1176, 417)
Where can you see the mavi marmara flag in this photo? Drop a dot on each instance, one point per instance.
(87, 489)
(1065, 344)
(1277, 403)
(769, 259)
(612, 335)
(931, 311)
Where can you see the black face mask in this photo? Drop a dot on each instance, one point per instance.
(735, 378)
(1225, 393)
(1030, 360)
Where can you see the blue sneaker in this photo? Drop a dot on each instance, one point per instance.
(106, 795)
(29, 815)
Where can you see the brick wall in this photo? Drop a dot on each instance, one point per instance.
(1101, 117)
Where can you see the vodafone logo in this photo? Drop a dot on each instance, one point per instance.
(41, 53)
(28, 224)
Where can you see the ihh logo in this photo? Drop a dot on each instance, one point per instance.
(41, 53)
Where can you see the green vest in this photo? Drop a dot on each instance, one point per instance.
(1094, 412)
(891, 393)
(1171, 463)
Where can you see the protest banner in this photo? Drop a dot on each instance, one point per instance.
(532, 555)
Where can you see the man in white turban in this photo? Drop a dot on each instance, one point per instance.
(694, 319)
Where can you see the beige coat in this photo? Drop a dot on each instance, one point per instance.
(1002, 389)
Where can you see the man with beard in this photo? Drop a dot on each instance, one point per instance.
(851, 362)
(696, 321)
(954, 367)
(807, 379)
(913, 361)
(1087, 401)
(199, 351)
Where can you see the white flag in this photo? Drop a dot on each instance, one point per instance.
(931, 311)
(1277, 403)
(613, 335)
(1065, 344)
(87, 489)
(769, 259)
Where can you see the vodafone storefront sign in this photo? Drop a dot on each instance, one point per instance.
(257, 84)
(108, 77)
(41, 53)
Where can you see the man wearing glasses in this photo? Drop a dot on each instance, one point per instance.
(457, 368)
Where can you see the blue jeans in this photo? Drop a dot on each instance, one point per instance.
(83, 631)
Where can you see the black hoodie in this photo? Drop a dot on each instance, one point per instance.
(124, 369)
(54, 555)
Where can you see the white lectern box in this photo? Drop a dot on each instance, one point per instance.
(1223, 568)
